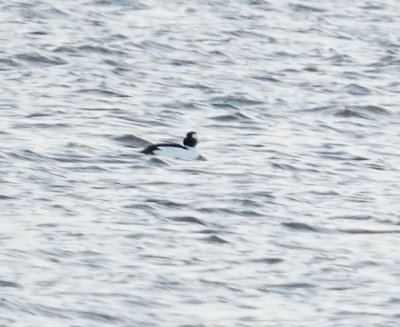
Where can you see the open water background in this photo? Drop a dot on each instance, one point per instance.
(293, 220)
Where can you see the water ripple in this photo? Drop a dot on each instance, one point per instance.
(38, 59)
(295, 104)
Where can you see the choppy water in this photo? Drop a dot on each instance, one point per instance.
(293, 220)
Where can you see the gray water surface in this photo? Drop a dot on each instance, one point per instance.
(293, 219)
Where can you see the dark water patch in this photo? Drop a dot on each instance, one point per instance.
(264, 194)
(296, 285)
(34, 309)
(368, 231)
(97, 316)
(354, 217)
(38, 59)
(77, 145)
(311, 69)
(29, 155)
(182, 62)
(340, 156)
(340, 288)
(161, 260)
(49, 125)
(40, 33)
(349, 113)
(66, 50)
(285, 287)
(139, 206)
(261, 4)
(6, 197)
(30, 12)
(6, 64)
(340, 59)
(357, 158)
(371, 110)
(91, 168)
(36, 11)
(366, 112)
(300, 227)
(121, 158)
(53, 11)
(47, 225)
(5, 107)
(248, 203)
(121, 70)
(166, 203)
(118, 36)
(71, 158)
(61, 208)
(216, 283)
(327, 193)
(230, 117)
(266, 78)
(224, 106)
(236, 100)
(327, 108)
(139, 236)
(152, 45)
(157, 162)
(369, 263)
(393, 87)
(215, 239)
(395, 300)
(114, 112)
(351, 75)
(207, 231)
(103, 92)
(189, 219)
(4, 283)
(284, 54)
(269, 261)
(218, 53)
(387, 61)
(177, 104)
(198, 86)
(244, 126)
(220, 56)
(376, 166)
(99, 50)
(305, 9)
(356, 89)
(119, 65)
(244, 33)
(373, 6)
(284, 167)
(132, 141)
(231, 211)
(39, 114)
(125, 4)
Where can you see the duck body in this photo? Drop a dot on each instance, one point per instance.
(174, 150)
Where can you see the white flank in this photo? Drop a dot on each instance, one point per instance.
(178, 153)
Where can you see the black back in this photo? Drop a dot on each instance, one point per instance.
(151, 148)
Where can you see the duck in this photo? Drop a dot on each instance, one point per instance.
(187, 151)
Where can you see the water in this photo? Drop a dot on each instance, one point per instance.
(292, 220)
